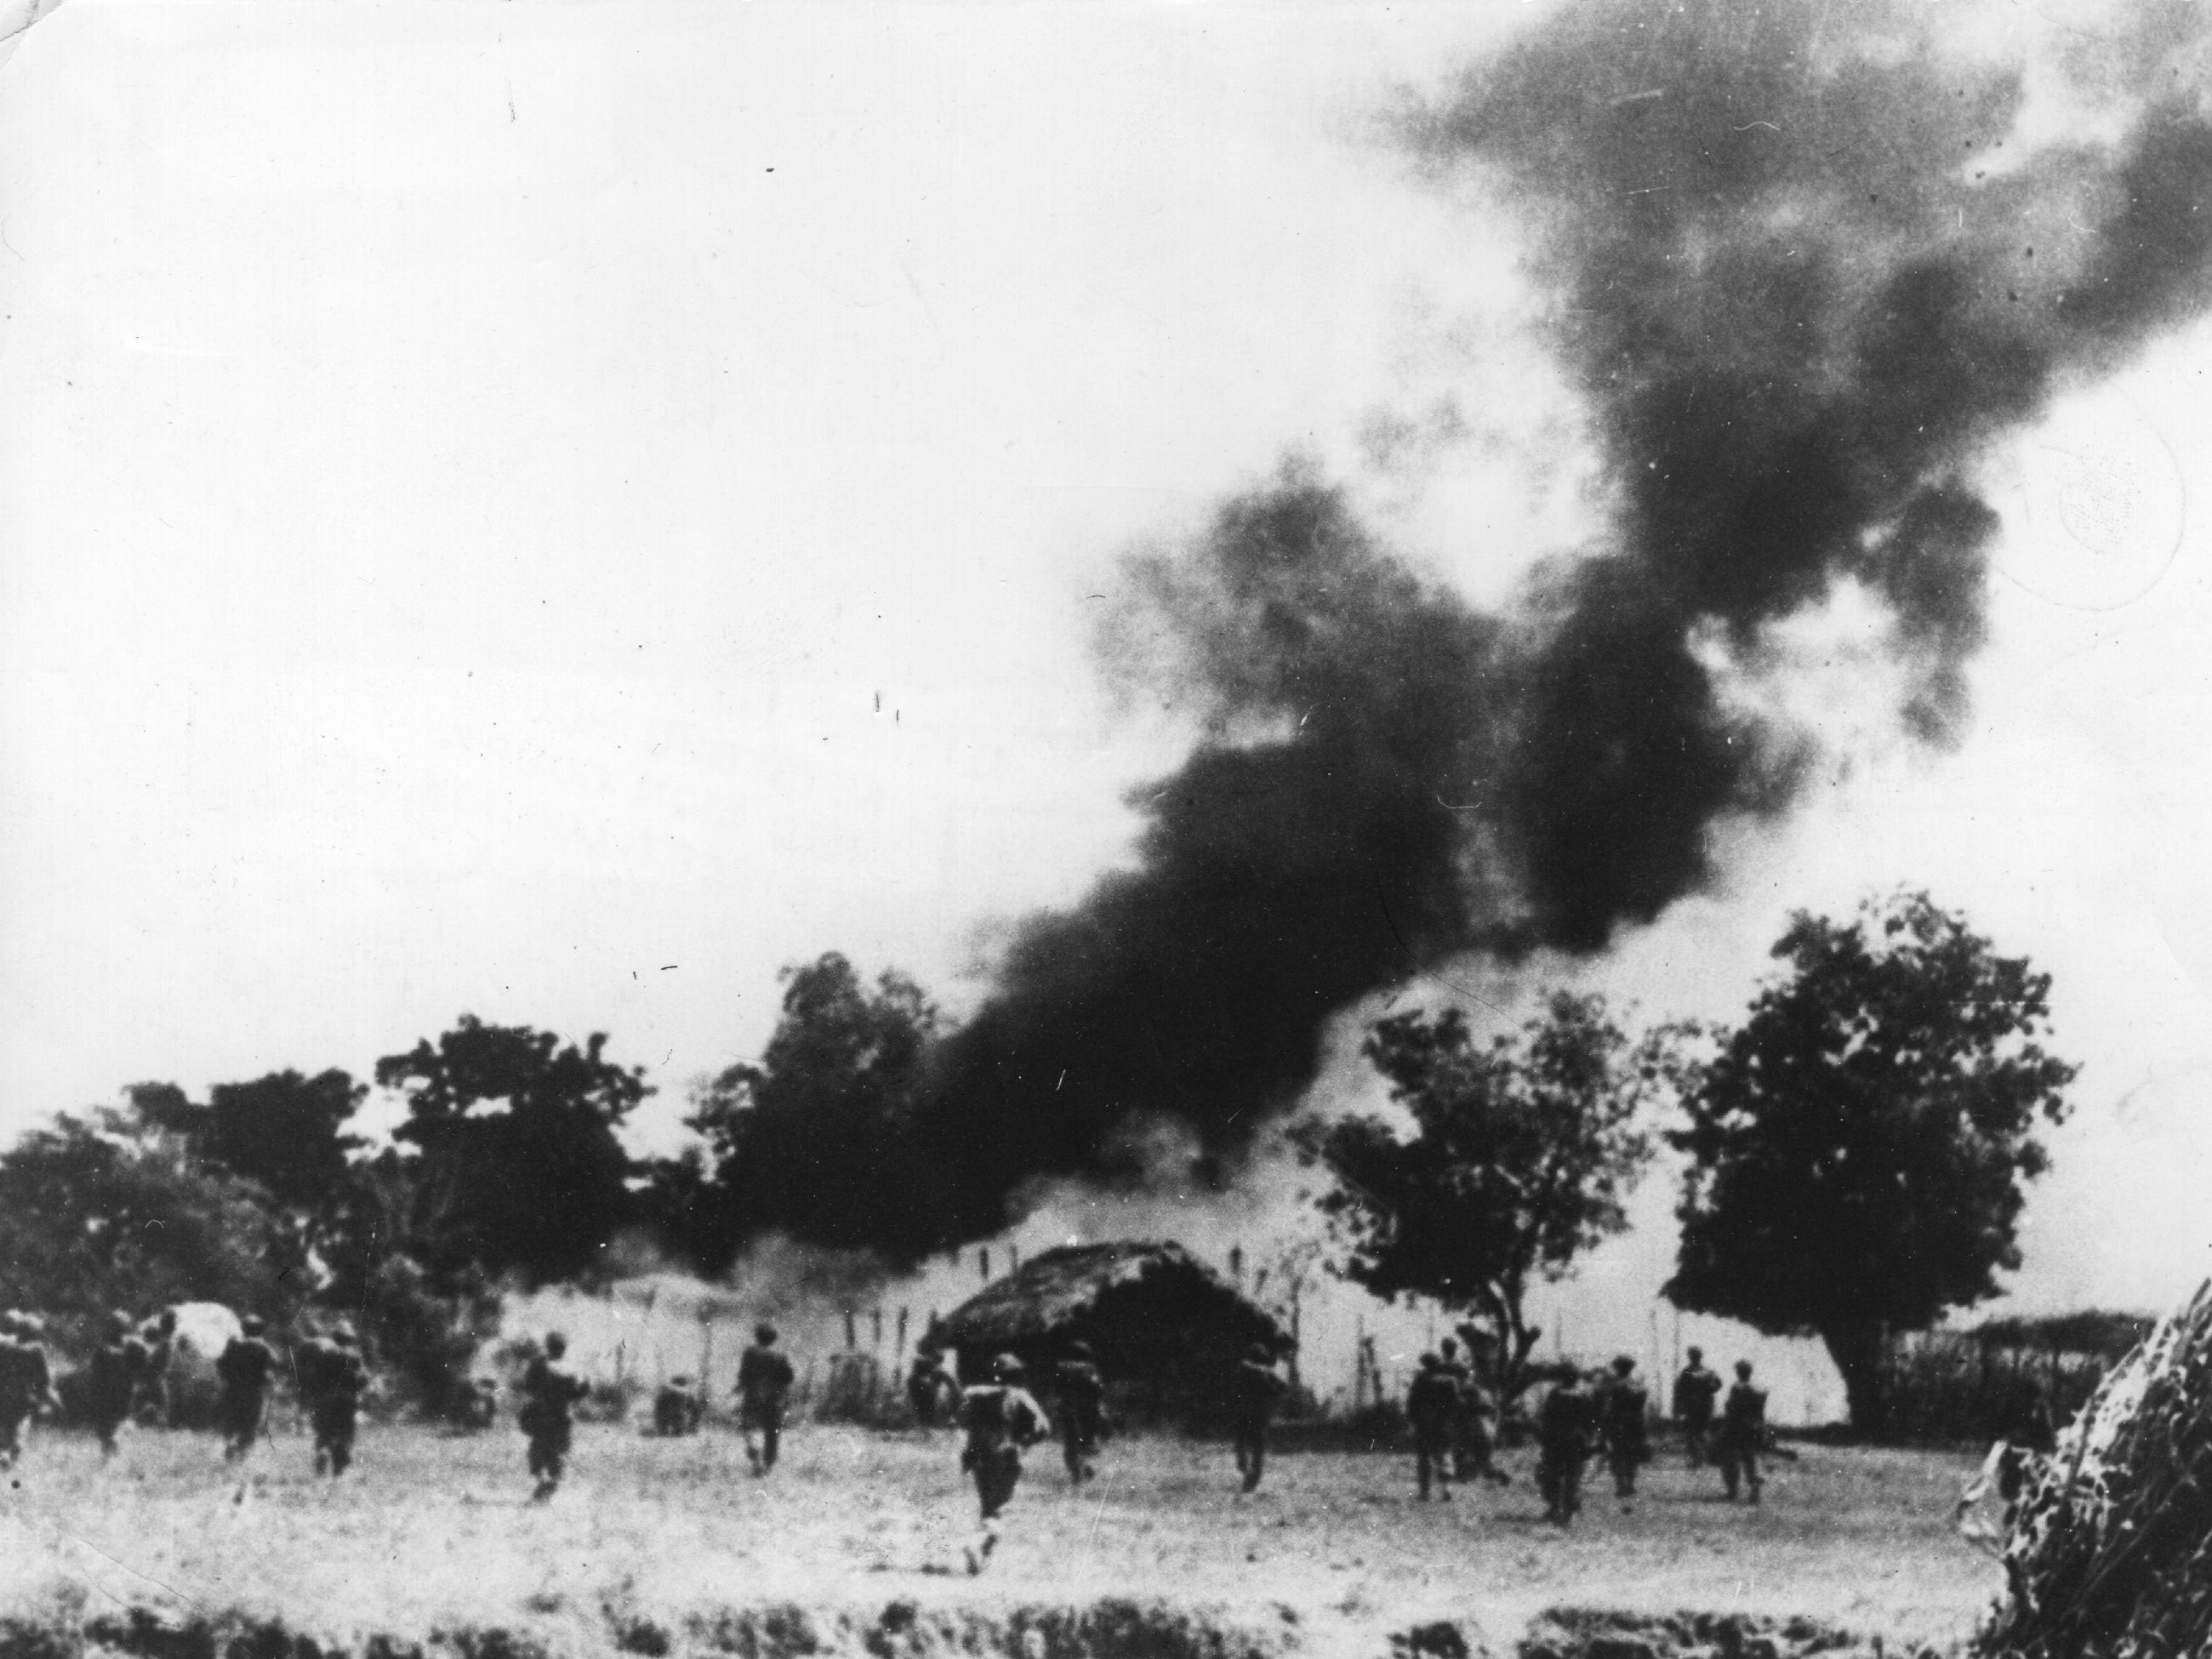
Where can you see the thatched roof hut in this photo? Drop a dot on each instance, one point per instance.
(1159, 1319)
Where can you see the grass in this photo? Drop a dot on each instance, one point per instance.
(432, 1533)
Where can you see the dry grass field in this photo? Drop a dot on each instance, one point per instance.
(665, 1546)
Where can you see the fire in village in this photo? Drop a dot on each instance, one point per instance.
(1628, 1089)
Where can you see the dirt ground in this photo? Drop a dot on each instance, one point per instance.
(431, 1535)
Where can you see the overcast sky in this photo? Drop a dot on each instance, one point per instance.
(557, 510)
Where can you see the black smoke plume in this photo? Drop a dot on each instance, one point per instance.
(1805, 264)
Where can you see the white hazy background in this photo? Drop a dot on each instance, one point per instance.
(556, 510)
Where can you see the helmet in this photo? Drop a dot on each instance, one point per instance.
(1008, 1368)
(251, 1325)
(1697, 1355)
(1431, 1361)
(1743, 1370)
(764, 1335)
(555, 1344)
(1622, 1364)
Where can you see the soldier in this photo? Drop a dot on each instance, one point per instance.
(764, 1378)
(243, 1369)
(1564, 1428)
(1433, 1406)
(1474, 1444)
(550, 1392)
(1080, 1401)
(1623, 1408)
(334, 1379)
(678, 1410)
(113, 1379)
(26, 1382)
(1253, 1390)
(158, 1336)
(1742, 1435)
(1697, 1393)
(928, 1386)
(1002, 1420)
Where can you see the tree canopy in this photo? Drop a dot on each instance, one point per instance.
(522, 1170)
(1858, 1146)
(1523, 1150)
(817, 1139)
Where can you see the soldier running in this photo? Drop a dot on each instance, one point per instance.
(1566, 1426)
(1742, 1435)
(244, 1369)
(1254, 1390)
(1623, 1409)
(158, 1336)
(1696, 1393)
(1001, 1419)
(334, 1378)
(27, 1381)
(550, 1392)
(929, 1388)
(764, 1378)
(1433, 1404)
(1082, 1406)
(678, 1409)
(113, 1379)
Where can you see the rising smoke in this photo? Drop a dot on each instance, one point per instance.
(1804, 265)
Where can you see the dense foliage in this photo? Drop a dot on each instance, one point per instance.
(1859, 1145)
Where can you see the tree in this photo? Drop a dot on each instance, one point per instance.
(285, 1131)
(1858, 1146)
(108, 1210)
(522, 1169)
(817, 1139)
(1523, 1150)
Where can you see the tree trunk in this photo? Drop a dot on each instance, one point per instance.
(1858, 1347)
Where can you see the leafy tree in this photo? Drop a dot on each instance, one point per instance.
(1858, 1146)
(521, 1167)
(107, 1210)
(1523, 1151)
(817, 1139)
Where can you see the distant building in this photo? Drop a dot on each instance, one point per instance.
(1167, 1329)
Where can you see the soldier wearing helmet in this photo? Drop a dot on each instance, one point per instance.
(1001, 1419)
(1082, 1407)
(117, 1373)
(333, 1378)
(1253, 1391)
(764, 1379)
(26, 1382)
(550, 1392)
(244, 1368)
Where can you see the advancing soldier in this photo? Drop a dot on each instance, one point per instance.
(1082, 1406)
(1623, 1407)
(1474, 1444)
(549, 1393)
(1433, 1405)
(1253, 1391)
(158, 1336)
(113, 1380)
(1002, 1420)
(764, 1378)
(1742, 1435)
(334, 1378)
(1565, 1425)
(26, 1382)
(677, 1409)
(244, 1369)
(1697, 1394)
(929, 1388)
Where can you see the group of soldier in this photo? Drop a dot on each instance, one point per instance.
(1454, 1418)
(128, 1379)
(1581, 1417)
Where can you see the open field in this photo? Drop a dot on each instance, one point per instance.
(653, 1540)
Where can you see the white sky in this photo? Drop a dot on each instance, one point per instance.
(556, 510)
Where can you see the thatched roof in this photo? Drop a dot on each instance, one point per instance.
(1059, 1293)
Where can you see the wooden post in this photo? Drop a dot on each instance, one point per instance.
(983, 1262)
(899, 1352)
(1013, 1257)
(876, 1327)
(1237, 1265)
(852, 1337)
(706, 1356)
